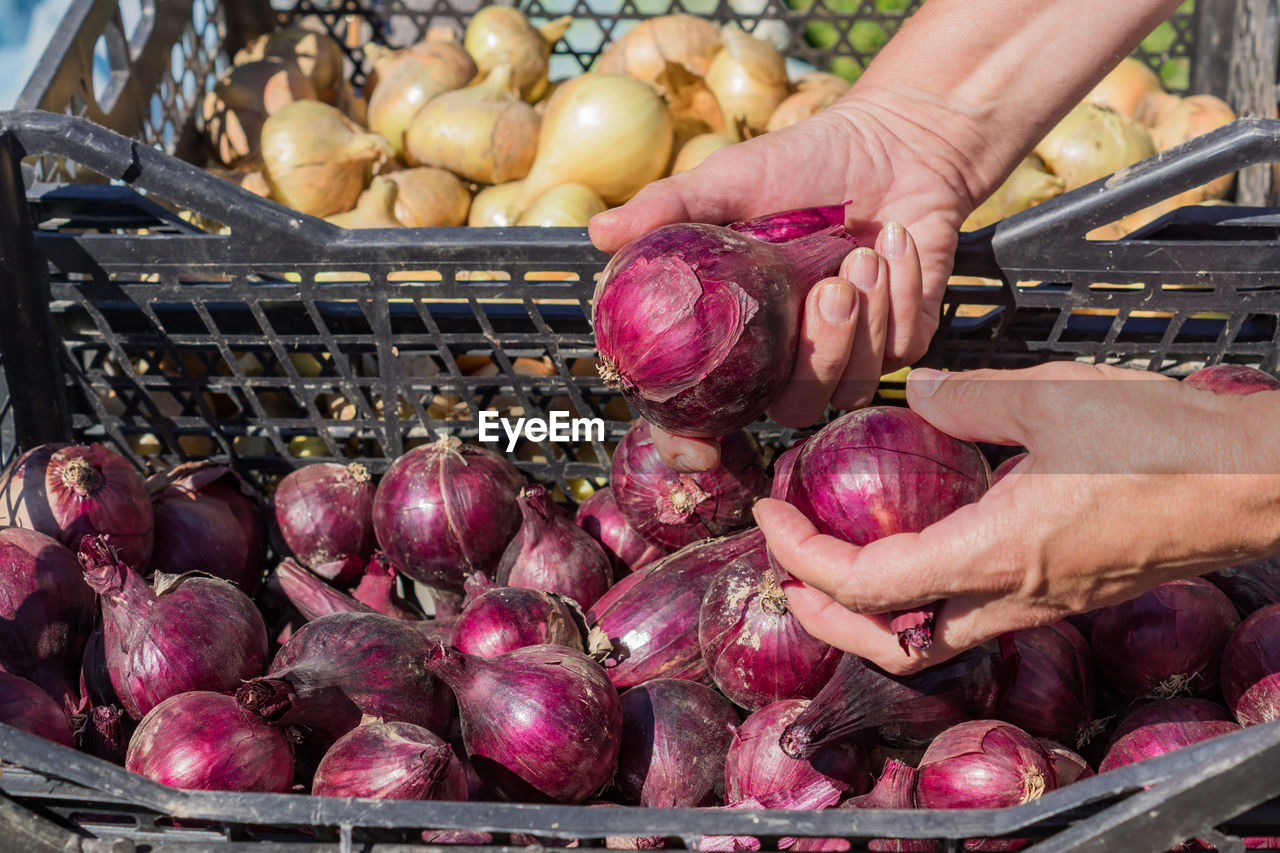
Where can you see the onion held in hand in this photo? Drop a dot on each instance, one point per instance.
(1161, 727)
(501, 619)
(551, 553)
(600, 517)
(983, 764)
(1251, 668)
(698, 325)
(325, 515)
(1232, 379)
(390, 761)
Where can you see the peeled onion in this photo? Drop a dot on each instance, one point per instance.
(1091, 143)
(502, 35)
(749, 79)
(239, 104)
(1125, 86)
(644, 51)
(430, 198)
(410, 78)
(374, 209)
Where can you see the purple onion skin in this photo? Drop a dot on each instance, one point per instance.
(783, 466)
(540, 723)
(174, 635)
(309, 593)
(325, 513)
(600, 517)
(445, 510)
(756, 767)
(46, 613)
(204, 741)
(1053, 691)
(104, 732)
(895, 789)
(698, 325)
(863, 702)
(1232, 379)
(1251, 668)
(1250, 586)
(672, 509)
(1167, 641)
(1068, 764)
(647, 624)
(884, 470)
(983, 764)
(1164, 726)
(377, 589)
(551, 553)
(755, 650)
(1003, 469)
(791, 224)
(675, 738)
(390, 761)
(95, 678)
(25, 706)
(507, 618)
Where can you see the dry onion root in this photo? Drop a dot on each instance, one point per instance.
(409, 80)
(644, 52)
(374, 209)
(1091, 143)
(239, 104)
(814, 92)
(749, 79)
(315, 54)
(1028, 185)
(503, 35)
(430, 197)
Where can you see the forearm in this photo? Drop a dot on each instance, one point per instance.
(988, 78)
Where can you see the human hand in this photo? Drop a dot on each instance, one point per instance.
(1131, 480)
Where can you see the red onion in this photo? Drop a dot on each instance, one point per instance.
(205, 741)
(1232, 379)
(46, 613)
(1068, 764)
(1167, 641)
(675, 737)
(539, 723)
(377, 589)
(309, 593)
(390, 761)
(339, 667)
(782, 468)
(1006, 466)
(69, 491)
(756, 766)
(1251, 668)
(177, 634)
(445, 510)
(95, 677)
(1164, 726)
(1250, 586)
(756, 651)
(862, 701)
(325, 515)
(646, 625)
(25, 706)
(600, 517)
(1053, 688)
(698, 325)
(506, 618)
(103, 731)
(895, 789)
(551, 553)
(983, 764)
(880, 471)
(673, 509)
(207, 519)
(806, 799)
(629, 842)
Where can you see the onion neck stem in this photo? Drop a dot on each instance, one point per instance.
(81, 477)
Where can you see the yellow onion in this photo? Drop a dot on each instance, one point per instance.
(356, 107)
(1124, 87)
(412, 79)
(608, 132)
(316, 54)
(430, 198)
(1154, 106)
(239, 104)
(250, 179)
(644, 52)
(814, 92)
(1195, 116)
(316, 159)
(502, 35)
(693, 107)
(495, 206)
(565, 206)
(483, 133)
(1027, 186)
(698, 149)
(1092, 142)
(749, 79)
(374, 209)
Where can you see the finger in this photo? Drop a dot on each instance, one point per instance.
(870, 275)
(686, 454)
(865, 635)
(905, 336)
(830, 317)
(978, 405)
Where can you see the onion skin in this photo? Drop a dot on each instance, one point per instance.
(1167, 641)
(430, 198)
(1053, 691)
(600, 517)
(25, 706)
(1125, 86)
(390, 761)
(46, 613)
(895, 789)
(69, 491)
(377, 589)
(502, 35)
(445, 510)
(411, 79)
(1250, 586)
(1232, 379)
(672, 509)
(698, 325)
(983, 764)
(309, 593)
(104, 731)
(1092, 142)
(1251, 668)
(324, 512)
(1002, 470)
(204, 741)
(1164, 726)
(675, 739)
(1068, 764)
(647, 624)
(95, 679)
(502, 619)
(863, 702)
(643, 53)
(540, 723)
(756, 651)
(551, 553)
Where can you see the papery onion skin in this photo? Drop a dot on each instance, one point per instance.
(675, 738)
(1167, 641)
(25, 706)
(324, 512)
(506, 618)
(69, 491)
(672, 509)
(410, 79)
(1232, 379)
(895, 789)
(390, 761)
(430, 198)
(1067, 763)
(204, 741)
(503, 35)
(104, 731)
(1053, 691)
(309, 593)
(1250, 586)
(377, 589)
(646, 625)
(600, 517)
(1251, 668)
(1164, 726)
(95, 678)
(539, 723)
(755, 649)
(983, 764)
(445, 510)
(551, 553)
(644, 52)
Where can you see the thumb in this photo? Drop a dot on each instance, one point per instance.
(976, 405)
(660, 203)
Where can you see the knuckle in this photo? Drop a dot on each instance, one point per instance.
(901, 664)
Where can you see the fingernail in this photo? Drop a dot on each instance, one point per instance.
(895, 240)
(864, 268)
(836, 302)
(923, 381)
(790, 584)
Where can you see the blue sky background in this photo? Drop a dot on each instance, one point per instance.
(25, 29)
